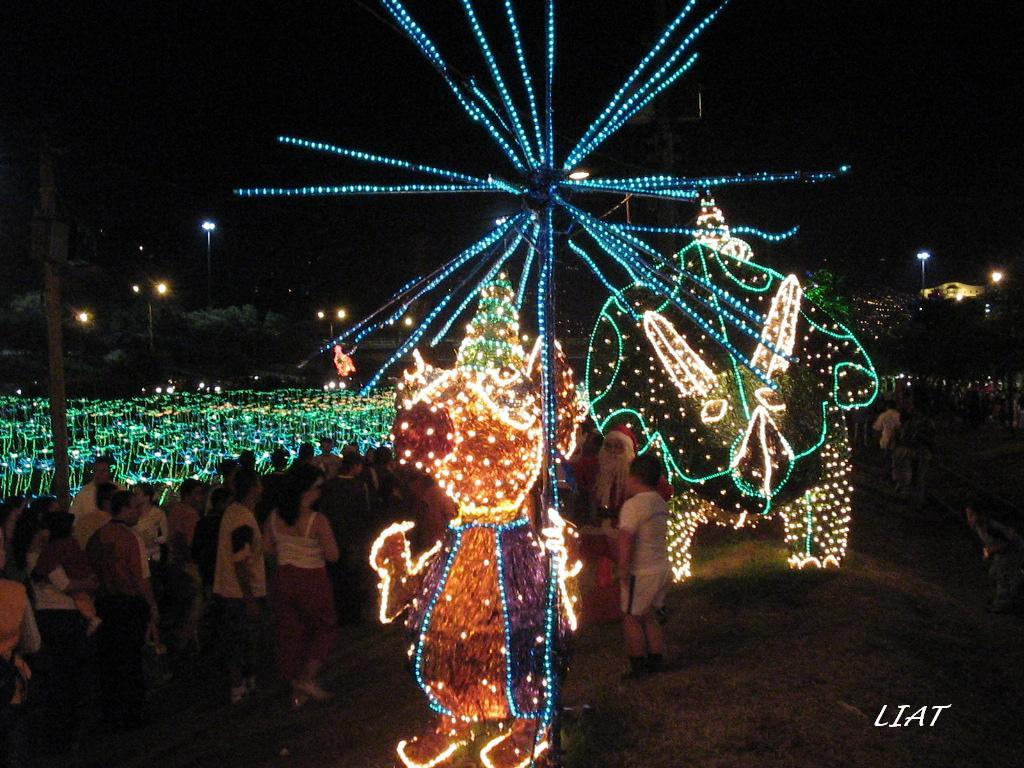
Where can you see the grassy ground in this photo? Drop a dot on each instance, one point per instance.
(768, 667)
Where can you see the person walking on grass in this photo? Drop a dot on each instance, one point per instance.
(643, 566)
(1004, 550)
(305, 624)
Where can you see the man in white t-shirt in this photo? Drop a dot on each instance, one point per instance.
(643, 565)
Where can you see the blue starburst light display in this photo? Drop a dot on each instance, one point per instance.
(518, 114)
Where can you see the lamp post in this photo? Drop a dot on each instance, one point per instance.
(996, 277)
(208, 227)
(339, 314)
(923, 257)
(160, 289)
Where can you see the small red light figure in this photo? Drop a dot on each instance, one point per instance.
(343, 363)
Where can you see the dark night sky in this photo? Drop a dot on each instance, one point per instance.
(162, 108)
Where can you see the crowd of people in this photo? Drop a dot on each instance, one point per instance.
(130, 586)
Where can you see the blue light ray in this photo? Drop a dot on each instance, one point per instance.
(598, 185)
(624, 88)
(771, 237)
(363, 329)
(585, 257)
(474, 293)
(414, 338)
(721, 231)
(486, 101)
(368, 319)
(549, 116)
(674, 183)
(430, 51)
(524, 277)
(634, 106)
(549, 412)
(342, 190)
(393, 162)
(580, 151)
(524, 70)
(499, 82)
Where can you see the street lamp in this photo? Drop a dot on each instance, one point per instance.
(208, 227)
(923, 256)
(996, 277)
(160, 289)
(83, 317)
(339, 314)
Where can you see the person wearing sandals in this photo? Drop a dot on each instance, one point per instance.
(305, 623)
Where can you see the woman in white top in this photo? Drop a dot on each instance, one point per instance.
(305, 624)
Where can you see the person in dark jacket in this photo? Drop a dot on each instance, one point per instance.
(345, 502)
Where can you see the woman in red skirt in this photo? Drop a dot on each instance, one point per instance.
(305, 625)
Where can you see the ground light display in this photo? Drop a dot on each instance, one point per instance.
(487, 627)
(737, 449)
(550, 193)
(165, 438)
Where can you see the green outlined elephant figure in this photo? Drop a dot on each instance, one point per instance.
(748, 428)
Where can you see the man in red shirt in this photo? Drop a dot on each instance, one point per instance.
(127, 607)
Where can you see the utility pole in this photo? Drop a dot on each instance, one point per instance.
(50, 248)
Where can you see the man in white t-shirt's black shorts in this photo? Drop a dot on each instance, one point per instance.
(643, 565)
